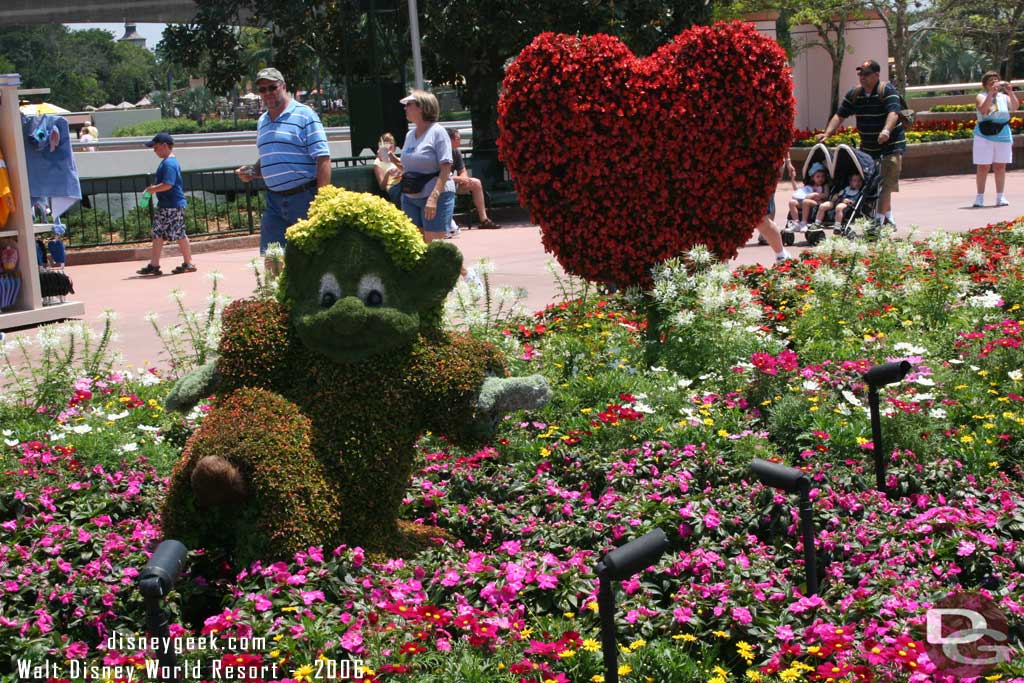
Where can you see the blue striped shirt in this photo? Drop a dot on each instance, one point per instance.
(289, 147)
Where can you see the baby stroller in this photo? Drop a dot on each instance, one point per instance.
(846, 162)
(819, 154)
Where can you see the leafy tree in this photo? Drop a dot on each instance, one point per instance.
(468, 42)
(133, 73)
(994, 28)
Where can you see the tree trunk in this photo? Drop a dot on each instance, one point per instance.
(901, 47)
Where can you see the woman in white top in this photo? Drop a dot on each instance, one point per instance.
(993, 140)
(428, 192)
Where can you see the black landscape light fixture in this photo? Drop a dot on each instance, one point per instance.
(792, 480)
(880, 376)
(156, 580)
(618, 565)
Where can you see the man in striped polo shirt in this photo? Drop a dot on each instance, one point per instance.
(881, 133)
(294, 158)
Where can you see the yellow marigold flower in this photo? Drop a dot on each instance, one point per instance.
(720, 634)
(545, 452)
(637, 644)
(303, 672)
(723, 433)
(567, 654)
(591, 645)
(597, 678)
(754, 675)
(789, 675)
(625, 669)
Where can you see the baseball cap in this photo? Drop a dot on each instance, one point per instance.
(869, 67)
(269, 74)
(161, 137)
(407, 99)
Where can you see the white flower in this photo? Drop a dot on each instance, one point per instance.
(81, 429)
(986, 300)
(129, 447)
(8, 432)
(925, 381)
(684, 383)
(642, 407)
(937, 413)
(853, 400)
(910, 349)
(254, 265)
(176, 295)
(118, 416)
(275, 250)
(924, 397)
(11, 442)
(108, 314)
(152, 317)
(1015, 375)
(810, 385)
(147, 379)
(215, 275)
(974, 255)
(684, 318)
(148, 428)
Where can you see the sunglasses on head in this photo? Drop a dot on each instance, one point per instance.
(267, 88)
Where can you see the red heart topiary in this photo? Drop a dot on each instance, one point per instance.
(626, 161)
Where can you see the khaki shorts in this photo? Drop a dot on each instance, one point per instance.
(891, 167)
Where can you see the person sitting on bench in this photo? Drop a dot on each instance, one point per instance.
(466, 184)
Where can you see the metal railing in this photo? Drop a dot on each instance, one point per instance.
(217, 203)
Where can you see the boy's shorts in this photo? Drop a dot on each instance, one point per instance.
(169, 224)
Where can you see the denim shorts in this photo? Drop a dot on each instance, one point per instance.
(415, 208)
(281, 213)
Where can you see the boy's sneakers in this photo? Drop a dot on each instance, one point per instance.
(184, 268)
(979, 202)
(1001, 201)
(150, 269)
(782, 258)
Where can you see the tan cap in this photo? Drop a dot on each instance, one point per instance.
(269, 74)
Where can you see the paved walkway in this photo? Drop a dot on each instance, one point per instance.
(941, 203)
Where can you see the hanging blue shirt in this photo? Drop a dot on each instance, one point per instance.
(169, 171)
(52, 175)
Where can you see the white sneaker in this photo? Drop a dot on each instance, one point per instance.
(979, 203)
(1002, 202)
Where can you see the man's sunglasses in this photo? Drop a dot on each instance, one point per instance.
(267, 88)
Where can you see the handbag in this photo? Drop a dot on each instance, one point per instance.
(991, 127)
(413, 183)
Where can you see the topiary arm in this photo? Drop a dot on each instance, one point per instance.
(193, 387)
(501, 395)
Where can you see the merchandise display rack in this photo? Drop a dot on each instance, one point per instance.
(29, 308)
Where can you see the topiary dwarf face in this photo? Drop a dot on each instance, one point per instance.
(359, 279)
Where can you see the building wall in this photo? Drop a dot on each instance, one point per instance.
(812, 67)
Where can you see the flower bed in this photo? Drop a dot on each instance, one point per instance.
(756, 363)
(923, 131)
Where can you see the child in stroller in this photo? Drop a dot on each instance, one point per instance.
(806, 199)
(838, 205)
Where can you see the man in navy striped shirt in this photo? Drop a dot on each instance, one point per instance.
(294, 158)
(881, 133)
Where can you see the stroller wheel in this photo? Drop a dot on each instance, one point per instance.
(815, 237)
(787, 238)
(844, 231)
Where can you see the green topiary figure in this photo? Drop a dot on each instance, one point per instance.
(322, 394)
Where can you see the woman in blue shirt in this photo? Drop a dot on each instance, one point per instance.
(993, 141)
(428, 192)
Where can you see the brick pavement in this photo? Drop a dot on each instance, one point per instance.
(941, 203)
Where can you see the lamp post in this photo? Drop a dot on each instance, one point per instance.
(156, 580)
(617, 565)
(792, 480)
(879, 376)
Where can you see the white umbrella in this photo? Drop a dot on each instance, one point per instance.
(144, 102)
(126, 105)
(89, 107)
(108, 106)
(250, 96)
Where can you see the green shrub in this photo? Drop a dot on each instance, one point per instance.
(953, 107)
(173, 126)
(228, 125)
(85, 226)
(334, 120)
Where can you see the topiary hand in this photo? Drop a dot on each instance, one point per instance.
(193, 387)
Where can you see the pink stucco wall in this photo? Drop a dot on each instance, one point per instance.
(812, 68)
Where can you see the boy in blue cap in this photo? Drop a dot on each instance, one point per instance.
(169, 216)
